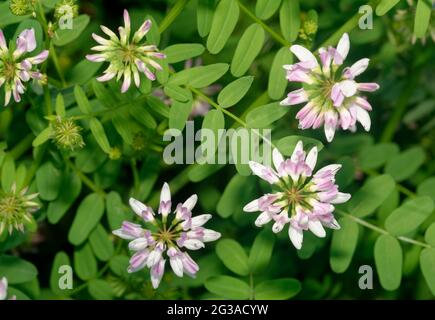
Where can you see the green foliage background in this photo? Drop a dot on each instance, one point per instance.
(389, 224)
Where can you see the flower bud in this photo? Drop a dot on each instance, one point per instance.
(67, 134)
(21, 7)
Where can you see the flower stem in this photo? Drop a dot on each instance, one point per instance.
(266, 28)
(172, 15)
(85, 179)
(380, 230)
(22, 146)
(230, 114)
(55, 59)
(400, 108)
(346, 27)
(35, 164)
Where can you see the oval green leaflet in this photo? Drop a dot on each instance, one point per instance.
(389, 261)
(409, 216)
(228, 287)
(233, 256)
(224, 21)
(277, 289)
(183, 51)
(234, 92)
(87, 217)
(85, 264)
(264, 9)
(343, 245)
(247, 50)
(277, 75)
(289, 18)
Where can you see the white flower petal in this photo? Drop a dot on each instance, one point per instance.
(251, 206)
(277, 159)
(303, 54)
(316, 227)
(299, 148)
(358, 67)
(311, 159)
(364, 118)
(263, 218)
(138, 244)
(296, 237)
(341, 198)
(165, 194)
(191, 202)
(348, 87)
(137, 206)
(263, 172)
(200, 220)
(177, 265)
(329, 131)
(343, 46)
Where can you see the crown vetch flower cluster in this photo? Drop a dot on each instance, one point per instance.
(303, 200)
(16, 68)
(332, 94)
(127, 57)
(167, 235)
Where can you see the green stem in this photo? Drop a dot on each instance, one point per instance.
(347, 27)
(399, 110)
(56, 63)
(22, 146)
(266, 28)
(35, 164)
(218, 107)
(85, 179)
(230, 114)
(108, 111)
(48, 43)
(380, 230)
(172, 15)
(135, 173)
(47, 100)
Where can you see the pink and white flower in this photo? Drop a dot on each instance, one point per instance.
(4, 289)
(303, 200)
(332, 96)
(166, 236)
(16, 67)
(128, 57)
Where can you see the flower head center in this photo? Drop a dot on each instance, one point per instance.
(9, 205)
(129, 54)
(294, 195)
(9, 70)
(165, 236)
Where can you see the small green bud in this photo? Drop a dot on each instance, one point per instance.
(67, 134)
(21, 7)
(310, 27)
(115, 154)
(139, 141)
